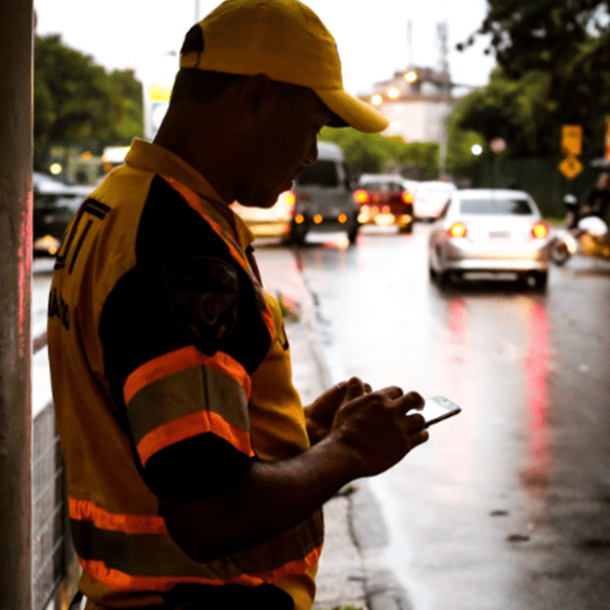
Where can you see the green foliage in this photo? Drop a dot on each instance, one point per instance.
(510, 109)
(553, 59)
(540, 35)
(460, 159)
(76, 100)
(127, 106)
(373, 153)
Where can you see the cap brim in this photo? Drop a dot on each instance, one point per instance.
(351, 111)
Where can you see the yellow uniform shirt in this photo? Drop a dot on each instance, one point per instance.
(171, 375)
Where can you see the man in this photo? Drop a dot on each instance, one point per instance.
(598, 200)
(196, 478)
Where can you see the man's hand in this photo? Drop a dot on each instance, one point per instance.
(320, 414)
(361, 433)
(374, 426)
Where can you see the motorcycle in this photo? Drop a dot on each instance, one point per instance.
(584, 234)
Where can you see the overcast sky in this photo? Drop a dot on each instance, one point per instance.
(371, 34)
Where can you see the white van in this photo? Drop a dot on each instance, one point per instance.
(323, 198)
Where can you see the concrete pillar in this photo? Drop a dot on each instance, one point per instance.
(15, 295)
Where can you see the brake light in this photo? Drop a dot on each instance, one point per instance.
(407, 197)
(540, 229)
(457, 229)
(291, 198)
(361, 196)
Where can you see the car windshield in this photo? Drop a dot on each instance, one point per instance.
(323, 173)
(516, 207)
(385, 187)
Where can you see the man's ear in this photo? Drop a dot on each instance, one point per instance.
(256, 97)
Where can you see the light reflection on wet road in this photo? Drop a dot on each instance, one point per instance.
(508, 505)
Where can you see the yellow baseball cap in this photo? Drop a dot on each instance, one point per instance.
(285, 40)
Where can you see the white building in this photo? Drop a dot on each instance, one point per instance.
(416, 102)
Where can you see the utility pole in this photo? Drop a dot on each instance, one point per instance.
(15, 303)
(410, 43)
(445, 87)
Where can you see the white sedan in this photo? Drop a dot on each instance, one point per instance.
(489, 230)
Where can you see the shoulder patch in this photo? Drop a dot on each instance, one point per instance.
(204, 295)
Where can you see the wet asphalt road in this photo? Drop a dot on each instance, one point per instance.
(508, 505)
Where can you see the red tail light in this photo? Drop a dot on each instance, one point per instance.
(407, 197)
(457, 229)
(540, 229)
(361, 196)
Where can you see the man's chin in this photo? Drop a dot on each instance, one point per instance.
(259, 202)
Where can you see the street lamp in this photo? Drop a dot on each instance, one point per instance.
(393, 93)
(476, 149)
(376, 100)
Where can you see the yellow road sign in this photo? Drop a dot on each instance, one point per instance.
(571, 139)
(570, 167)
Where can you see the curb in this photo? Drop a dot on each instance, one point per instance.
(348, 575)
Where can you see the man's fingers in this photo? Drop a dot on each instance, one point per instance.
(415, 423)
(355, 388)
(410, 401)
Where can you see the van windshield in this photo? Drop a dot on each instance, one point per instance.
(323, 173)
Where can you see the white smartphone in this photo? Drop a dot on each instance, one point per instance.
(438, 408)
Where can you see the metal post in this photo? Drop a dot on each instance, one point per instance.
(15, 295)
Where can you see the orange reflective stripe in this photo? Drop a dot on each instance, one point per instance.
(189, 426)
(83, 510)
(179, 360)
(195, 203)
(120, 581)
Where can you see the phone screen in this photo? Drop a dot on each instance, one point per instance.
(438, 408)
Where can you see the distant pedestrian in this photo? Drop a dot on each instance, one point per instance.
(196, 477)
(598, 200)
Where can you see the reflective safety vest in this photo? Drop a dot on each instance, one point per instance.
(171, 375)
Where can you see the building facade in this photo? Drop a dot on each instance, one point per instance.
(417, 102)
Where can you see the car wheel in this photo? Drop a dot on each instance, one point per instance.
(559, 252)
(540, 278)
(298, 233)
(432, 272)
(443, 278)
(407, 228)
(352, 234)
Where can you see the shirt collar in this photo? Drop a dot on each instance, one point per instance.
(152, 157)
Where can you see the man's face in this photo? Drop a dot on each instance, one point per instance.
(284, 142)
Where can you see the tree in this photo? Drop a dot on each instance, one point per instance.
(514, 110)
(540, 34)
(76, 100)
(553, 59)
(374, 153)
(127, 106)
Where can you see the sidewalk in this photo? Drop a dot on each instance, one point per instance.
(341, 578)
